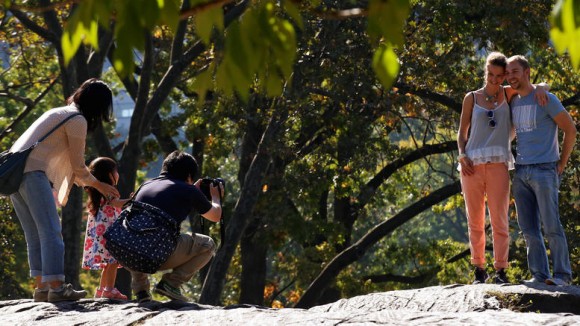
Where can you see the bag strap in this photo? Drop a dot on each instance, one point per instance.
(132, 199)
(57, 126)
(144, 183)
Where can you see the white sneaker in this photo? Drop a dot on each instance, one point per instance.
(531, 281)
(557, 281)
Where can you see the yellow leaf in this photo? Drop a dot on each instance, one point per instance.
(565, 31)
(386, 64)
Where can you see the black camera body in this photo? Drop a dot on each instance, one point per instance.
(206, 182)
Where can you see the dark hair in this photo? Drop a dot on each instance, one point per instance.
(94, 100)
(180, 165)
(101, 168)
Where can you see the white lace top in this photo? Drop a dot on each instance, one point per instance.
(486, 144)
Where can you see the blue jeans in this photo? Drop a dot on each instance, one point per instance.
(36, 209)
(535, 190)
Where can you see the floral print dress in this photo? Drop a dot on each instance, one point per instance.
(95, 256)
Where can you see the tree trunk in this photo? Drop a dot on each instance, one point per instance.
(342, 213)
(71, 233)
(343, 209)
(214, 283)
(127, 168)
(254, 250)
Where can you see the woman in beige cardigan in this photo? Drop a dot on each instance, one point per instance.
(57, 163)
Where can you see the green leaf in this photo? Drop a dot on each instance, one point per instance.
(82, 27)
(102, 10)
(287, 48)
(147, 12)
(205, 22)
(236, 50)
(274, 85)
(169, 13)
(386, 64)
(123, 59)
(293, 11)
(565, 31)
(260, 46)
(69, 45)
(128, 38)
(239, 81)
(223, 81)
(386, 20)
(202, 83)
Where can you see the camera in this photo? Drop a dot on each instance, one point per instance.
(206, 182)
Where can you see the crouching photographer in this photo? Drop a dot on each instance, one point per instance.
(171, 197)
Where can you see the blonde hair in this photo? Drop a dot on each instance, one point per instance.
(496, 59)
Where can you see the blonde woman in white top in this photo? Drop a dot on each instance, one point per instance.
(57, 163)
(485, 157)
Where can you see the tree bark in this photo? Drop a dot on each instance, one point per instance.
(71, 233)
(254, 250)
(214, 283)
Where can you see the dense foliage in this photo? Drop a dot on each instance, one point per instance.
(336, 184)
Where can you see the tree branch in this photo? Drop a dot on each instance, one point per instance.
(174, 72)
(139, 117)
(357, 250)
(165, 141)
(29, 106)
(371, 187)
(418, 279)
(575, 99)
(177, 44)
(427, 94)
(52, 22)
(40, 31)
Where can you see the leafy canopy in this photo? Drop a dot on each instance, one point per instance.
(260, 47)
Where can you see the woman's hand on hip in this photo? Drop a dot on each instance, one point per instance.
(466, 166)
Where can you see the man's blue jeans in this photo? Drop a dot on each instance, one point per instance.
(535, 190)
(36, 210)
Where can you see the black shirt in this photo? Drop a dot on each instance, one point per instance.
(175, 197)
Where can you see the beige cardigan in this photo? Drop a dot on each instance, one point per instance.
(61, 155)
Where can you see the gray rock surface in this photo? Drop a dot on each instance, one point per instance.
(442, 305)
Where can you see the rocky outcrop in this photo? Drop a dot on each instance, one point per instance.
(445, 305)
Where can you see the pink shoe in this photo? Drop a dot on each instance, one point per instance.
(113, 294)
(98, 293)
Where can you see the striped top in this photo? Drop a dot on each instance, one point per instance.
(60, 155)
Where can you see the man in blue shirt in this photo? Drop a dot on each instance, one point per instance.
(539, 166)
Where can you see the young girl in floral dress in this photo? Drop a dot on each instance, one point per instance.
(102, 213)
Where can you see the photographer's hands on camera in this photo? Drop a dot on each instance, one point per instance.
(217, 192)
(213, 189)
